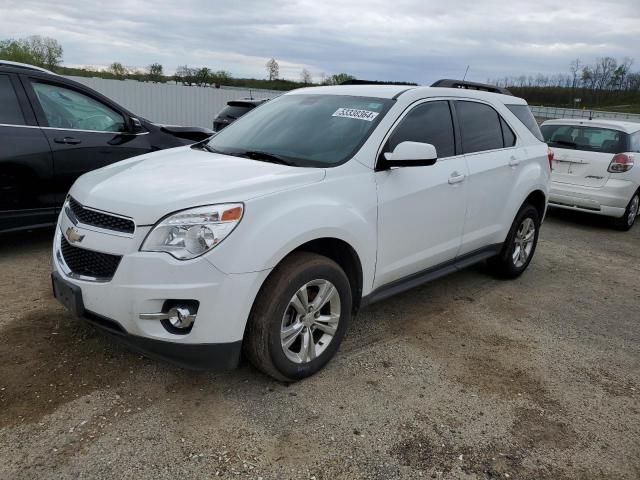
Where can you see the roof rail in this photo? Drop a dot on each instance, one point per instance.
(26, 66)
(448, 83)
(355, 81)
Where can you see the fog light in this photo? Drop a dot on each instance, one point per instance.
(177, 316)
(180, 317)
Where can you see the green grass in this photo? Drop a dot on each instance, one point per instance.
(635, 108)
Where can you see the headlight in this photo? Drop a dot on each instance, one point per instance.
(190, 233)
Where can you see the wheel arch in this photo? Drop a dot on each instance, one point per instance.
(340, 252)
(538, 199)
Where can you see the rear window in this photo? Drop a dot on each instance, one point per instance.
(591, 139)
(234, 112)
(523, 112)
(10, 112)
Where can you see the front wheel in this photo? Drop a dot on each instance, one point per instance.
(299, 318)
(520, 245)
(625, 222)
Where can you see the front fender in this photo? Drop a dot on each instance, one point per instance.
(343, 208)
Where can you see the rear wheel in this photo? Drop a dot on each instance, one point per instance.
(627, 221)
(299, 317)
(520, 245)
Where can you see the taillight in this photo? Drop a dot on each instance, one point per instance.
(622, 162)
(550, 157)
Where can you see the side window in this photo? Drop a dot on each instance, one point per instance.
(480, 125)
(508, 136)
(635, 142)
(10, 112)
(429, 122)
(68, 109)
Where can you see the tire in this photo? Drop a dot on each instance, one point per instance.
(276, 316)
(509, 263)
(627, 221)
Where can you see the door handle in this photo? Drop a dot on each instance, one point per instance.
(456, 178)
(514, 162)
(67, 140)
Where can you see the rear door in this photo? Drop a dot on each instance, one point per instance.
(583, 154)
(84, 132)
(493, 158)
(26, 166)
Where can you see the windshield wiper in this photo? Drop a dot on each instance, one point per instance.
(264, 157)
(204, 145)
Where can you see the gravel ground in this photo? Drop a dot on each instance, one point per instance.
(468, 377)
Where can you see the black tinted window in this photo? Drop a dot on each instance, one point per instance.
(523, 112)
(427, 123)
(635, 142)
(10, 112)
(480, 125)
(507, 134)
(234, 112)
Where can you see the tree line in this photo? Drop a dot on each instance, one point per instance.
(607, 82)
(48, 53)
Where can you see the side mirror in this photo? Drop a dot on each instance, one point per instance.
(412, 154)
(136, 125)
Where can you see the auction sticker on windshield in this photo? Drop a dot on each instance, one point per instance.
(355, 113)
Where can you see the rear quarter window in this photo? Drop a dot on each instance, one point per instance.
(523, 113)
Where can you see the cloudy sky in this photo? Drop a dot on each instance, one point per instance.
(410, 40)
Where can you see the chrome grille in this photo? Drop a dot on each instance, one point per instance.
(99, 219)
(88, 263)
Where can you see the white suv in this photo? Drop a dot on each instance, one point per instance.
(269, 237)
(593, 167)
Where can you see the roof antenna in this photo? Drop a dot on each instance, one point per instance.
(465, 73)
(590, 114)
(250, 95)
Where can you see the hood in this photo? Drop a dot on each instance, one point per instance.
(151, 186)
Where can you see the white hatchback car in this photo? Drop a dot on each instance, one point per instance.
(593, 167)
(271, 235)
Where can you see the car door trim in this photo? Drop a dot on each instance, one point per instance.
(73, 129)
(420, 278)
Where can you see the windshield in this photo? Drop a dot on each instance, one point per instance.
(304, 130)
(592, 139)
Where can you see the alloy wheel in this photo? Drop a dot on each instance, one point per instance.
(633, 210)
(523, 242)
(310, 321)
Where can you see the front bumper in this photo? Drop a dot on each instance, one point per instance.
(198, 356)
(144, 281)
(609, 200)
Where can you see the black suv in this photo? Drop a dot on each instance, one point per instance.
(234, 110)
(52, 130)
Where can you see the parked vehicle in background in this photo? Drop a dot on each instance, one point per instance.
(234, 110)
(52, 130)
(272, 234)
(594, 167)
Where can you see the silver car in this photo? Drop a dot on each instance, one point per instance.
(593, 167)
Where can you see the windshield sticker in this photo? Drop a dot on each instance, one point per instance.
(355, 113)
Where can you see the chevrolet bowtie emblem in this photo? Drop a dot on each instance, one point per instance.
(73, 236)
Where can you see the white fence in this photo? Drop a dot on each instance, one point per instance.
(171, 104)
(182, 105)
(546, 113)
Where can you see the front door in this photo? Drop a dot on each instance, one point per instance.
(83, 132)
(421, 210)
